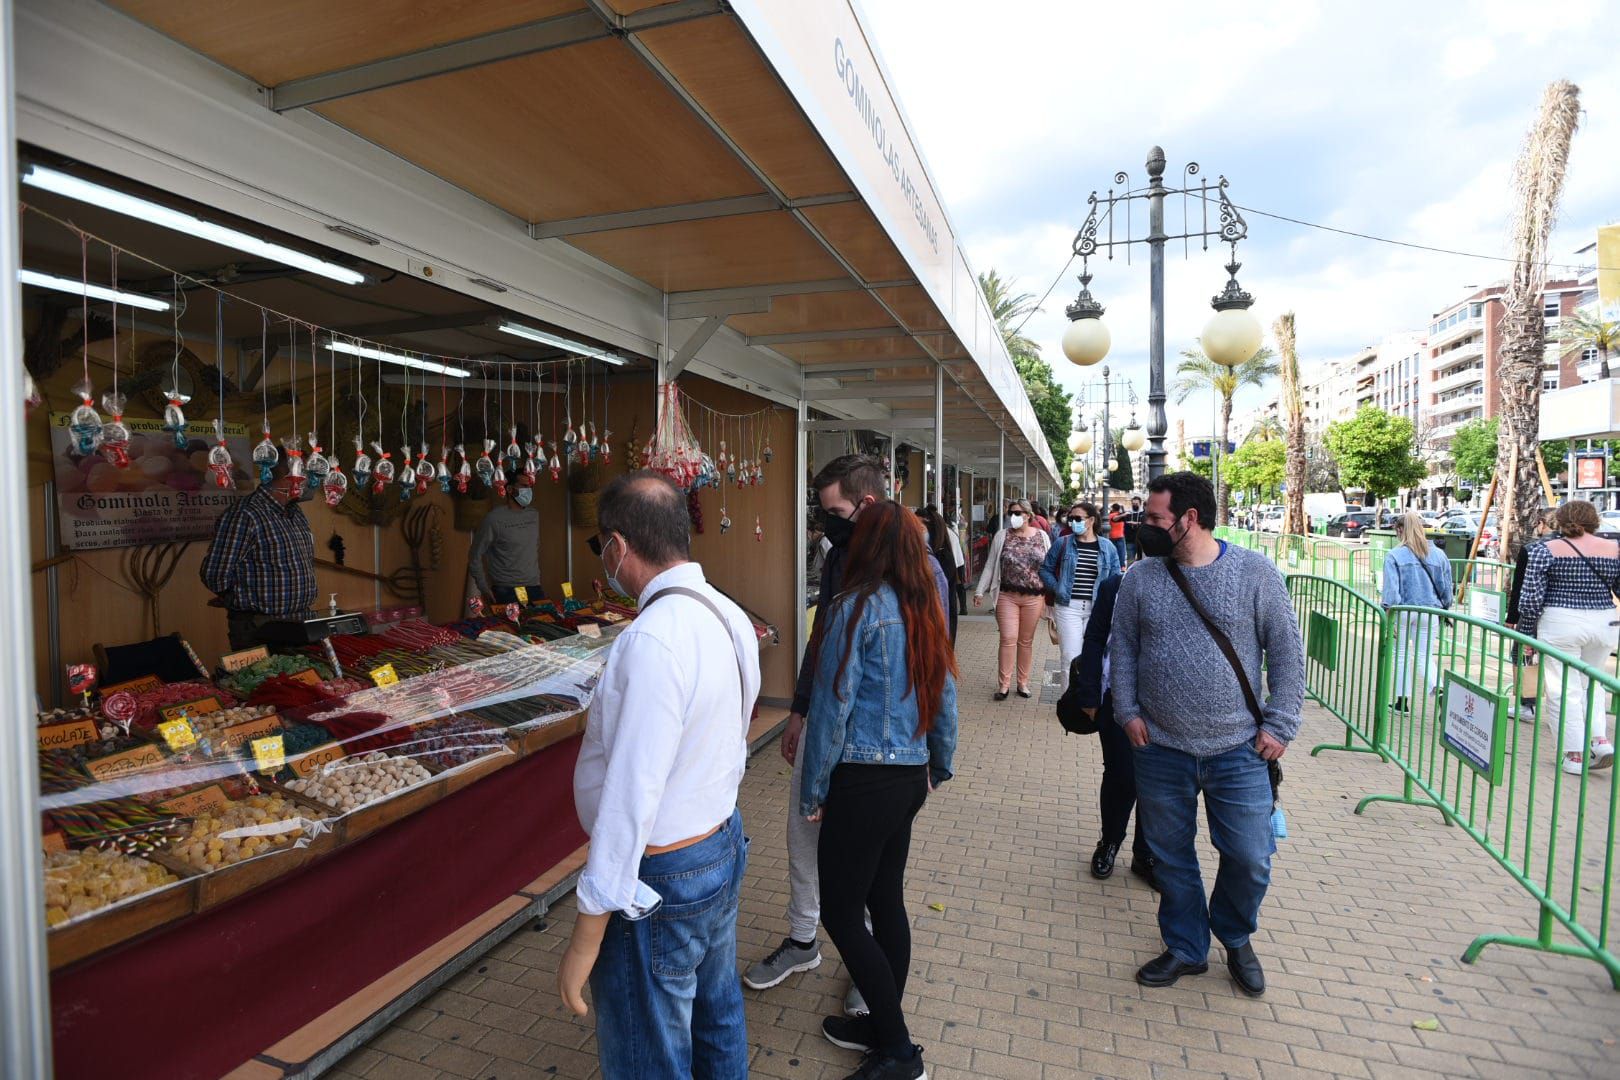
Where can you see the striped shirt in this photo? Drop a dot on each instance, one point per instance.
(1085, 569)
(1556, 577)
(262, 558)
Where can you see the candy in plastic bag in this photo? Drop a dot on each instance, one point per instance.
(295, 465)
(382, 469)
(85, 424)
(486, 465)
(174, 417)
(362, 463)
(32, 398)
(424, 471)
(335, 486)
(463, 471)
(316, 464)
(444, 469)
(265, 456)
(115, 433)
(219, 458)
(514, 452)
(554, 465)
(407, 475)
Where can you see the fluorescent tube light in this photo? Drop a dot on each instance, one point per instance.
(94, 292)
(123, 203)
(519, 330)
(396, 358)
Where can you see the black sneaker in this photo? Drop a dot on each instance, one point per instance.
(1102, 860)
(1146, 868)
(850, 1032)
(882, 1067)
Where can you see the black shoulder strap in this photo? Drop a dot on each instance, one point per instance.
(1606, 584)
(693, 594)
(1224, 642)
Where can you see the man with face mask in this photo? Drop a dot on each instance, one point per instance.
(505, 553)
(845, 487)
(261, 562)
(1188, 719)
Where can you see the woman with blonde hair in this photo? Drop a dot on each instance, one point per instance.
(1012, 579)
(1416, 574)
(1568, 601)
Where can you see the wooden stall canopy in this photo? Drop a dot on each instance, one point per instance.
(677, 142)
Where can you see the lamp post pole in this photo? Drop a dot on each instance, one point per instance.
(1106, 439)
(1157, 424)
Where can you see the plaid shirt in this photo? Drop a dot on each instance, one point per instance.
(1557, 577)
(262, 558)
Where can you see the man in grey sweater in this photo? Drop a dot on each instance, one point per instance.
(1185, 714)
(505, 552)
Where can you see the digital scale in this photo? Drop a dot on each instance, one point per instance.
(310, 628)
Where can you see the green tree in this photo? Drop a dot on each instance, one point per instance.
(1473, 450)
(1197, 372)
(1122, 478)
(1590, 330)
(1259, 465)
(1049, 400)
(1377, 452)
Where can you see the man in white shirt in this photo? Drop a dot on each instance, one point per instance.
(656, 788)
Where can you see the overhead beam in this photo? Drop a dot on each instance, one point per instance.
(702, 309)
(700, 337)
(878, 424)
(865, 334)
(415, 324)
(871, 393)
(866, 369)
(786, 288)
(733, 206)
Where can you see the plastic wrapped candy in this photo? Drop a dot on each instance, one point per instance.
(265, 456)
(362, 463)
(514, 453)
(759, 529)
(295, 465)
(115, 433)
(725, 521)
(316, 464)
(219, 458)
(407, 475)
(607, 447)
(499, 483)
(554, 465)
(444, 469)
(86, 422)
(569, 438)
(174, 417)
(32, 398)
(769, 453)
(382, 469)
(463, 471)
(424, 471)
(486, 465)
(335, 486)
(530, 472)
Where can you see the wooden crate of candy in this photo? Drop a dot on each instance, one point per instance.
(370, 790)
(96, 898)
(249, 841)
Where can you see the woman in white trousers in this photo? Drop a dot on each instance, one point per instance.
(1078, 563)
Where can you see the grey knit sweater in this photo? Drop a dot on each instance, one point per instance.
(1169, 671)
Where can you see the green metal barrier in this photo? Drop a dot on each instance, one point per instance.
(1344, 636)
(1455, 734)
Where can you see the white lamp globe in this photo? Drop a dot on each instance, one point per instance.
(1231, 336)
(1133, 439)
(1075, 468)
(1080, 442)
(1086, 341)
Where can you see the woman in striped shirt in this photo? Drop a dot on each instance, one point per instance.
(1077, 564)
(1568, 602)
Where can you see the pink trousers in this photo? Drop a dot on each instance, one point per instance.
(1017, 616)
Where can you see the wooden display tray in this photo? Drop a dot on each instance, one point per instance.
(102, 929)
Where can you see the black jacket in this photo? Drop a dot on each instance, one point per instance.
(1086, 670)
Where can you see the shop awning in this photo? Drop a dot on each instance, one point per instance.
(739, 168)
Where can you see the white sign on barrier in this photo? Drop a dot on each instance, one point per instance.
(1474, 727)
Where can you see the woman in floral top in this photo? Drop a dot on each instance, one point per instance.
(1012, 580)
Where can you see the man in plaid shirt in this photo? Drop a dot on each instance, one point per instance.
(261, 563)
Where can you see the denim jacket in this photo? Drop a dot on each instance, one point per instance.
(1057, 572)
(1408, 581)
(870, 715)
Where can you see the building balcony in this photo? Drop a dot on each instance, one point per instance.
(1468, 350)
(1461, 328)
(1461, 403)
(1463, 376)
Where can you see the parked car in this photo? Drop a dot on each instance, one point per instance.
(1467, 525)
(1271, 521)
(1351, 526)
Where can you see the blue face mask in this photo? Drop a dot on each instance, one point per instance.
(523, 497)
(612, 578)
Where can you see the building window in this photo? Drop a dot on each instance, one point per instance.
(1550, 383)
(1476, 311)
(1550, 307)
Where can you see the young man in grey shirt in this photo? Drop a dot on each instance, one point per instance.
(1185, 714)
(505, 552)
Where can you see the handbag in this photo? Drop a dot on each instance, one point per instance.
(1225, 644)
(1070, 713)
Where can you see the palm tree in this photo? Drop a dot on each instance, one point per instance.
(1009, 309)
(1294, 510)
(1265, 429)
(1197, 372)
(1538, 184)
(1590, 330)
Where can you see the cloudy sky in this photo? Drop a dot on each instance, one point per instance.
(1396, 119)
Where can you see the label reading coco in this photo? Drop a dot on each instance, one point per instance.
(269, 753)
(308, 764)
(385, 675)
(196, 802)
(68, 735)
(130, 761)
(178, 733)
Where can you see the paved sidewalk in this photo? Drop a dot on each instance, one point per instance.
(1022, 963)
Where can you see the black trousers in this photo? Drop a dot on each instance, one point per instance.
(865, 842)
(1118, 794)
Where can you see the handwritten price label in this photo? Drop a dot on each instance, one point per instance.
(236, 661)
(130, 761)
(385, 675)
(309, 677)
(66, 736)
(143, 685)
(522, 594)
(196, 802)
(269, 753)
(188, 709)
(308, 764)
(178, 733)
(240, 735)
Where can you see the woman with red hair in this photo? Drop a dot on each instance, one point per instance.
(880, 736)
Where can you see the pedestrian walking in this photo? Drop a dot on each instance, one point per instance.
(1529, 676)
(948, 554)
(1012, 580)
(1568, 602)
(655, 787)
(1090, 676)
(1133, 522)
(1073, 571)
(847, 489)
(1116, 530)
(1416, 574)
(881, 735)
(1193, 624)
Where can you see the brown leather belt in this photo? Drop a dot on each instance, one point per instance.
(664, 849)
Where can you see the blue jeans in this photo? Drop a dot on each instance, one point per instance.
(1120, 548)
(1237, 801)
(665, 989)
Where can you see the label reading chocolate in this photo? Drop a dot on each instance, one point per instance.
(130, 761)
(68, 735)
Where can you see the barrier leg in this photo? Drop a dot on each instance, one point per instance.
(1406, 798)
(1543, 942)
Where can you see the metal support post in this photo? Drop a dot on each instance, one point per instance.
(1158, 425)
(801, 522)
(25, 1033)
(1001, 473)
(1023, 479)
(1106, 442)
(894, 491)
(939, 438)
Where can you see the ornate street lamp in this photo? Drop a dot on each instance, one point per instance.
(1232, 334)
(1086, 340)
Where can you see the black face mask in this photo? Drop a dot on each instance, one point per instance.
(1156, 541)
(837, 530)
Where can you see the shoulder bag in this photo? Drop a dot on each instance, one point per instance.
(1225, 645)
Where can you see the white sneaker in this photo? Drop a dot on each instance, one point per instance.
(1527, 714)
(1602, 754)
(1574, 763)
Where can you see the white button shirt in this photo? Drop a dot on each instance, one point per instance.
(667, 738)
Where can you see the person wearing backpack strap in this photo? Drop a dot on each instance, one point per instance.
(1194, 622)
(1416, 574)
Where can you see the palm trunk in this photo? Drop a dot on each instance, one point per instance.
(1294, 509)
(1223, 490)
(1603, 361)
(1538, 184)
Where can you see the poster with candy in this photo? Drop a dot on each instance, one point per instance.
(163, 493)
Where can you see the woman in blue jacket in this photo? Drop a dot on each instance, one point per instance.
(1074, 571)
(880, 736)
(1416, 574)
